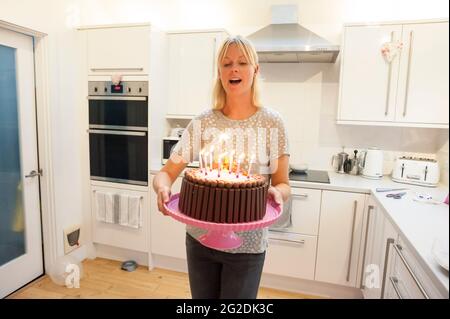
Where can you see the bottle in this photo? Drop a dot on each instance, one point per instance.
(355, 164)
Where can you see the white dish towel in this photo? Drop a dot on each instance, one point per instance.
(123, 210)
(101, 209)
(134, 211)
(109, 208)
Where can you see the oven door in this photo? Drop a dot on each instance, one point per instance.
(118, 112)
(119, 156)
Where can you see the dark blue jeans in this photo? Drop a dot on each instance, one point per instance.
(215, 274)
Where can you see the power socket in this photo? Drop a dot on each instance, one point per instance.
(71, 238)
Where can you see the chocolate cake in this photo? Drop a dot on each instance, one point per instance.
(224, 197)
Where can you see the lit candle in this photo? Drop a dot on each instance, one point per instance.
(206, 162)
(220, 163)
(240, 158)
(230, 164)
(211, 157)
(200, 160)
(250, 165)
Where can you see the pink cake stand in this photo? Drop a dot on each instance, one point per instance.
(222, 236)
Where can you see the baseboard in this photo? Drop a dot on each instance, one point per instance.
(171, 263)
(120, 254)
(309, 287)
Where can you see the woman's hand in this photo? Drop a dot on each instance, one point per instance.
(276, 196)
(163, 197)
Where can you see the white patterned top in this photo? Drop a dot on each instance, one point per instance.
(262, 136)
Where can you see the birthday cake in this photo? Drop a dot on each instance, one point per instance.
(223, 196)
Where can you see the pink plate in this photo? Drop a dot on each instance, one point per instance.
(221, 235)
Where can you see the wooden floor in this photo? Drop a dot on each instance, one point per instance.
(103, 278)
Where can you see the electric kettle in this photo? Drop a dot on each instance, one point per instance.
(371, 163)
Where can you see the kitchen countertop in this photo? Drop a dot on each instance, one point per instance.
(417, 223)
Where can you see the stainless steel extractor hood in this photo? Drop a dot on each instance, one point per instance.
(291, 43)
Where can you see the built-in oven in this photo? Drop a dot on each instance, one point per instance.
(118, 132)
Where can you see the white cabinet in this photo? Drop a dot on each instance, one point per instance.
(114, 234)
(339, 239)
(291, 255)
(379, 236)
(292, 252)
(423, 81)
(192, 69)
(122, 49)
(366, 90)
(305, 210)
(412, 90)
(167, 235)
(406, 278)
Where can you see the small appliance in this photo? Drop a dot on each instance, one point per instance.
(371, 163)
(417, 171)
(338, 161)
(168, 144)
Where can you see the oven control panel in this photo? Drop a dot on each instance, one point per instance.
(126, 88)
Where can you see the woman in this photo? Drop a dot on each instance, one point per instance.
(232, 273)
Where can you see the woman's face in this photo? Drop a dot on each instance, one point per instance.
(236, 73)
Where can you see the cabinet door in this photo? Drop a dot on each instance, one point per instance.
(114, 234)
(368, 82)
(423, 81)
(305, 211)
(290, 254)
(191, 72)
(339, 237)
(118, 50)
(167, 235)
(380, 238)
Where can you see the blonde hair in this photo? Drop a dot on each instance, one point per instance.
(247, 48)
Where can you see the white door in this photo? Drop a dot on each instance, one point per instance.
(21, 258)
(368, 82)
(423, 81)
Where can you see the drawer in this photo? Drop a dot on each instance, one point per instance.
(408, 280)
(117, 235)
(305, 211)
(290, 254)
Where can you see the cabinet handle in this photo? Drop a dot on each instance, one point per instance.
(301, 195)
(389, 241)
(365, 244)
(289, 240)
(388, 93)
(408, 72)
(113, 132)
(398, 249)
(116, 69)
(394, 282)
(355, 205)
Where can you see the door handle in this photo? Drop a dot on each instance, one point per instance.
(34, 173)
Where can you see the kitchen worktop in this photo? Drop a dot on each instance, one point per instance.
(418, 223)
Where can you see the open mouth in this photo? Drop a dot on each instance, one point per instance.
(235, 81)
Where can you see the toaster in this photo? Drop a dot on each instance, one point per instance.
(417, 171)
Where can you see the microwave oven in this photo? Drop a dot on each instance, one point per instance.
(168, 143)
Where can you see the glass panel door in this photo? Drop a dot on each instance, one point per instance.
(21, 258)
(12, 235)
